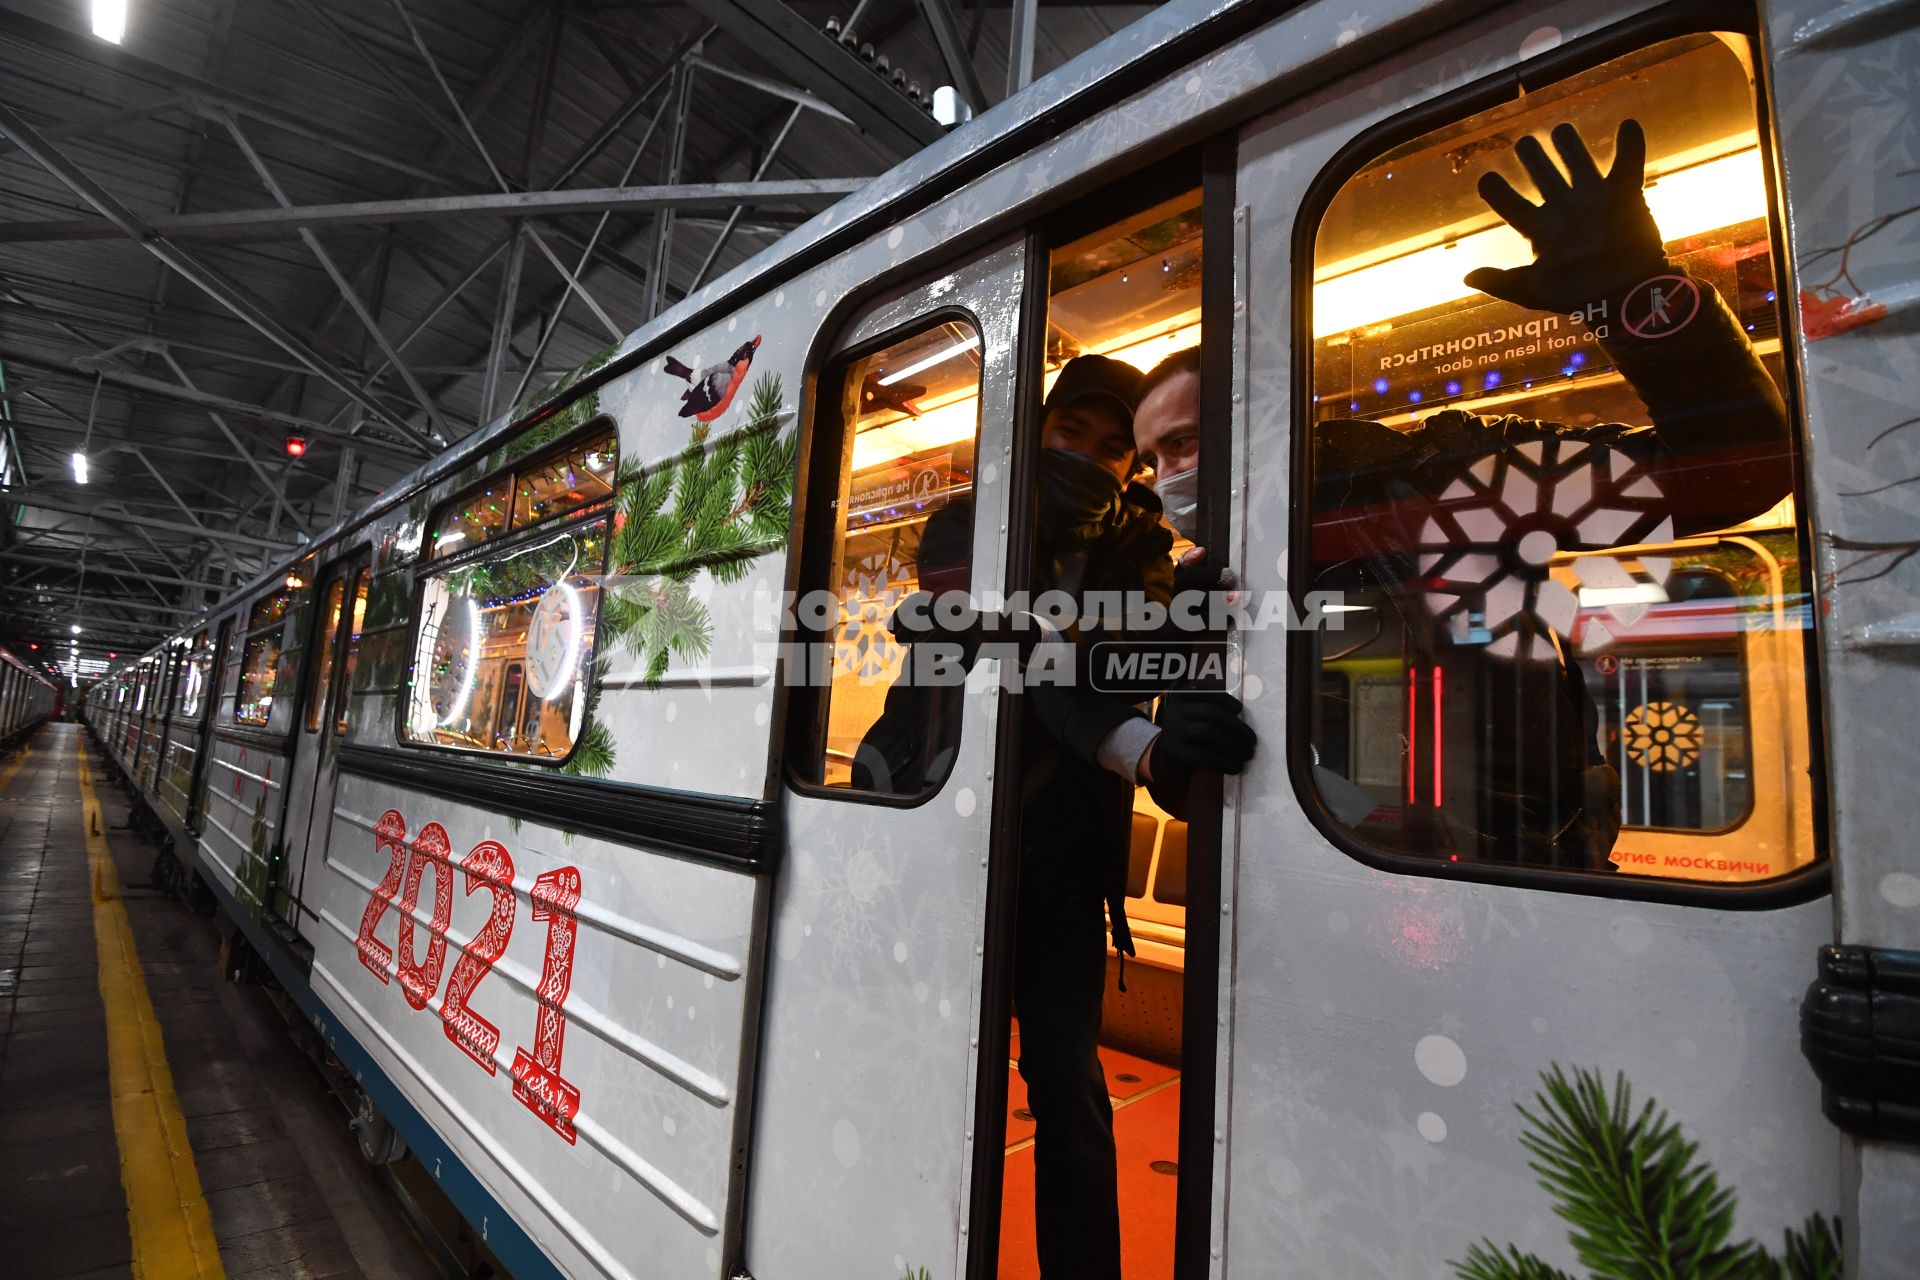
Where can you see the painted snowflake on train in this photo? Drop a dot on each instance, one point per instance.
(1500, 525)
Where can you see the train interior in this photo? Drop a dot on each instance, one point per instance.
(1689, 650)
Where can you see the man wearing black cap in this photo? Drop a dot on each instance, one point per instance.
(1095, 530)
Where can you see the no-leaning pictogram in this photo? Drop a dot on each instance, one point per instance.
(1661, 306)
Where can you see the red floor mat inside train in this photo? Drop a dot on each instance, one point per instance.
(1146, 1132)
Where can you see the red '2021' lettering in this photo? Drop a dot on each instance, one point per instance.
(429, 849)
(390, 834)
(487, 866)
(536, 1076)
(537, 1080)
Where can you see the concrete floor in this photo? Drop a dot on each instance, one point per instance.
(282, 1178)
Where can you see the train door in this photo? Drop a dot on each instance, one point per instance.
(322, 727)
(208, 667)
(872, 1030)
(1536, 824)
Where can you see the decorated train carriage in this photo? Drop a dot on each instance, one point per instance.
(542, 788)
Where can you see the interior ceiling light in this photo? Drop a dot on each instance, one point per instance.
(110, 20)
(79, 468)
(296, 444)
(1697, 191)
(76, 628)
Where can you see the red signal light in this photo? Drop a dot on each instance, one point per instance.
(296, 445)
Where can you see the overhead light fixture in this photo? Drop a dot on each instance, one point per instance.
(76, 629)
(110, 20)
(296, 444)
(79, 468)
(938, 357)
(1697, 191)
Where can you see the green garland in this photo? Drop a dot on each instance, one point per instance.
(1641, 1203)
(718, 507)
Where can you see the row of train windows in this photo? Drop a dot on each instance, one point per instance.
(1560, 526)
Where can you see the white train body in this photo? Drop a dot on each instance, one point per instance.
(671, 1012)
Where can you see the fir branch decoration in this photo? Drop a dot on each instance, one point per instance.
(1641, 1203)
(720, 505)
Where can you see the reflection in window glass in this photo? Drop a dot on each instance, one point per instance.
(550, 486)
(193, 681)
(320, 661)
(1130, 291)
(528, 609)
(343, 694)
(564, 482)
(1564, 531)
(913, 410)
(259, 663)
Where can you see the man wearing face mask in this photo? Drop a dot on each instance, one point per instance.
(1095, 531)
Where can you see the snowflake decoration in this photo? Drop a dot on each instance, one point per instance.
(1500, 524)
(1663, 736)
(864, 645)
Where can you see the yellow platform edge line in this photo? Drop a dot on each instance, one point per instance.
(7, 775)
(167, 1216)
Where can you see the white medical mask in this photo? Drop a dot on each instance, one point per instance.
(1180, 494)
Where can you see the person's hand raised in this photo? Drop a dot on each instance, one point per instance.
(1592, 236)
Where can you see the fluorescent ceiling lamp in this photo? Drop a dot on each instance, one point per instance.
(76, 629)
(1685, 201)
(79, 468)
(110, 20)
(1606, 597)
(965, 344)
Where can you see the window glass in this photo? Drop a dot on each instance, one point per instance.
(343, 693)
(320, 661)
(550, 486)
(192, 687)
(260, 660)
(912, 412)
(528, 608)
(564, 482)
(1557, 509)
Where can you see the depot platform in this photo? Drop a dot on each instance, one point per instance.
(155, 1117)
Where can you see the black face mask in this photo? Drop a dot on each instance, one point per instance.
(1077, 497)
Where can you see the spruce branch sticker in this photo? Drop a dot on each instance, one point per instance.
(1642, 1204)
(723, 503)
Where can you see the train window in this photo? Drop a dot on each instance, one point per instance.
(320, 662)
(912, 418)
(260, 659)
(1559, 506)
(505, 642)
(343, 694)
(192, 686)
(550, 486)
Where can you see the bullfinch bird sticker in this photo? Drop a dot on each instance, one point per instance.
(712, 389)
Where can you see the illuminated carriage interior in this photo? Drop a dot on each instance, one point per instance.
(1691, 650)
(509, 621)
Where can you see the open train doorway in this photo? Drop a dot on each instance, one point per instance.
(1128, 290)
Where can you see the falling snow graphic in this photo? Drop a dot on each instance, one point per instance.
(1500, 524)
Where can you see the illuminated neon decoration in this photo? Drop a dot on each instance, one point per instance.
(473, 665)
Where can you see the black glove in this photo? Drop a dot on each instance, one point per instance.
(1199, 731)
(1592, 237)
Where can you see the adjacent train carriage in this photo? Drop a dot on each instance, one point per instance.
(540, 784)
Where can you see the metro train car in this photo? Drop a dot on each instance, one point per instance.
(534, 788)
(27, 699)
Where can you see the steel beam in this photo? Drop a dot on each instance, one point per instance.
(953, 51)
(340, 282)
(809, 193)
(198, 274)
(1026, 20)
(799, 97)
(814, 61)
(218, 536)
(41, 358)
